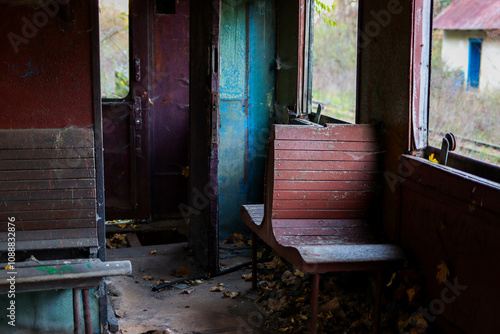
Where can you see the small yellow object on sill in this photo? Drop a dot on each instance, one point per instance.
(432, 159)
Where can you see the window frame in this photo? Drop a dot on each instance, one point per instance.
(420, 76)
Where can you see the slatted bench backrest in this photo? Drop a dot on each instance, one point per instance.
(47, 182)
(322, 172)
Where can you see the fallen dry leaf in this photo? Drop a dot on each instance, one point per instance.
(218, 288)
(134, 225)
(411, 293)
(122, 225)
(392, 279)
(231, 295)
(181, 272)
(277, 304)
(187, 291)
(247, 277)
(148, 278)
(153, 251)
(443, 272)
(8, 267)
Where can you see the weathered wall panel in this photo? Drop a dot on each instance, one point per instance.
(453, 218)
(248, 48)
(46, 79)
(170, 117)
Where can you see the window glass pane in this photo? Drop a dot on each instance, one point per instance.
(465, 81)
(114, 37)
(335, 54)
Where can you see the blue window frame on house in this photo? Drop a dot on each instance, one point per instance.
(474, 62)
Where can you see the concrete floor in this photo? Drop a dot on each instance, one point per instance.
(200, 312)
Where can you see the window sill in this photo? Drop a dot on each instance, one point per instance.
(462, 163)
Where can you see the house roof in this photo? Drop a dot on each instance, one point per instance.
(470, 15)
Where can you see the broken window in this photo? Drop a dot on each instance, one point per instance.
(114, 48)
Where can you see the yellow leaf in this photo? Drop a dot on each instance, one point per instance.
(247, 277)
(443, 272)
(411, 293)
(122, 225)
(153, 251)
(9, 267)
(392, 279)
(299, 273)
(432, 159)
(134, 226)
(148, 278)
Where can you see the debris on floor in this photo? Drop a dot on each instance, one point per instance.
(345, 302)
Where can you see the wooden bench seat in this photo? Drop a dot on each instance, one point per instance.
(48, 213)
(321, 209)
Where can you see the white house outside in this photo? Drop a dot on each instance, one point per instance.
(471, 41)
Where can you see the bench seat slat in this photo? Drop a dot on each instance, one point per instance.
(296, 204)
(326, 176)
(311, 195)
(324, 185)
(297, 165)
(359, 146)
(320, 214)
(346, 133)
(326, 155)
(52, 244)
(39, 276)
(350, 253)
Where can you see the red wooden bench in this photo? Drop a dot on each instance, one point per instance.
(321, 203)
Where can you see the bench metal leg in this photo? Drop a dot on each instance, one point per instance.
(86, 311)
(376, 308)
(314, 304)
(254, 261)
(77, 311)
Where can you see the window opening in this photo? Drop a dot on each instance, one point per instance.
(465, 80)
(114, 48)
(335, 27)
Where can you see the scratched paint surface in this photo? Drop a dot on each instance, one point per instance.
(247, 84)
(170, 116)
(48, 82)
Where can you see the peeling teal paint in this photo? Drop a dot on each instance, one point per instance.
(29, 70)
(245, 107)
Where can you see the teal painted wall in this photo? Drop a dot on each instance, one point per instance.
(247, 84)
(45, 312)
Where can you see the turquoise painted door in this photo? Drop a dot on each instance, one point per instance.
(247, 84)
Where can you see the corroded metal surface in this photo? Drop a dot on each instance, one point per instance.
(470, 15)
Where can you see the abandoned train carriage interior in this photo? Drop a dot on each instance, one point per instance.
(187, 141)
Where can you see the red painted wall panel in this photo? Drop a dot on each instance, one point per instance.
(47, 81)
(452, 218)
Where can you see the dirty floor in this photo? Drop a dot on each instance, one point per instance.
(196, 310)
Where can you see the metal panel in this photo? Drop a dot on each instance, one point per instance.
(452, 216)
(46, 79)
(470, 15)
(421, 62)
(248, 50)
(170, 117)
(201, 212)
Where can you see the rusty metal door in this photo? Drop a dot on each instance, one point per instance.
(126, 128)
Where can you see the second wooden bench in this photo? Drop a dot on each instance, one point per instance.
(321, 206)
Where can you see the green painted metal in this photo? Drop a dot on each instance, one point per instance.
(45, 312)
(247, 96)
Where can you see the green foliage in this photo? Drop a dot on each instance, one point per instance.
(335, 55)
(322, 10)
